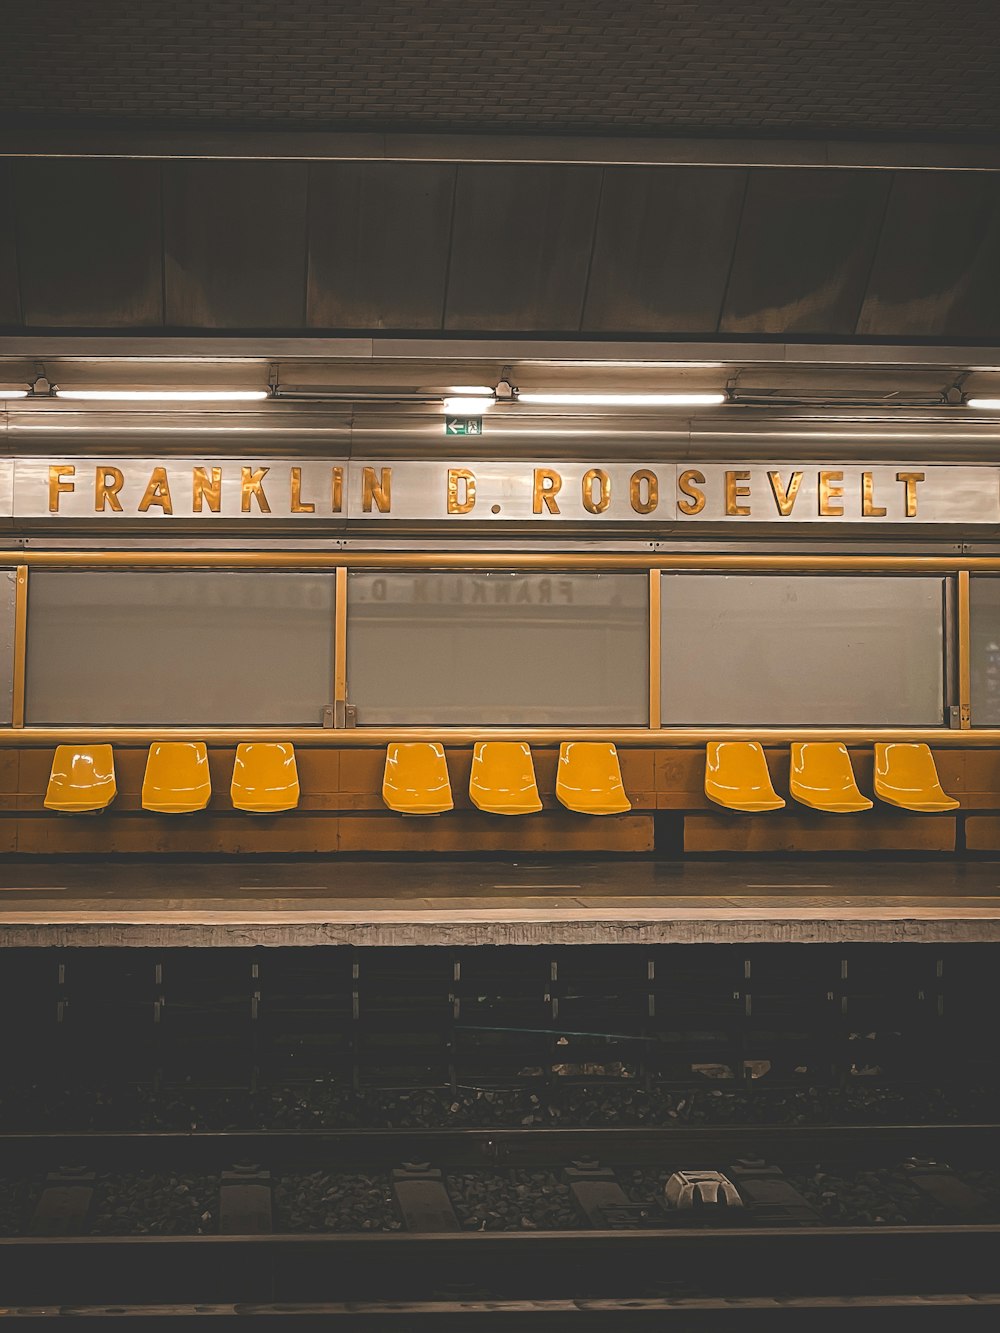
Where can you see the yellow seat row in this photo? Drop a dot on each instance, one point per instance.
(822, 777)
(416, 780)
(177, 779)
(502, 782)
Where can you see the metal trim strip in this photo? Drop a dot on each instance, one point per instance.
(466, 737)
(595, 150)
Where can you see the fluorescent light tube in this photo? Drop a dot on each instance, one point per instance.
(164, 395)
(625, 399)
(470, 407)
(13, 393)
(987, 404)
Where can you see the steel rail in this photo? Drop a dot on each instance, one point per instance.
(508, 1148)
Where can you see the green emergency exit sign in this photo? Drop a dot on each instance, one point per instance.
(463, 425)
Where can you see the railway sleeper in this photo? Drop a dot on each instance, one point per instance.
(596, 1192)
(245, 1203)
(954, 1195)
(422, 1199)
(64, 1204)
(772, 1199)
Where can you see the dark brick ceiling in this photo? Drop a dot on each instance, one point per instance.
(854, 68)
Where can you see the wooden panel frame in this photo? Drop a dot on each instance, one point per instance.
(20, 646)
(964, 645)
(653, 564)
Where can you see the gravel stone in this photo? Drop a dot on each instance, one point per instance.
(321, 1201)
(513, 1201)
(155, 1205)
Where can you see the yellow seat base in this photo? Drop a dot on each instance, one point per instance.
(589, 779)
(737, 777)
(82, 780)
(822, 778)
(415, 780)
(265, 778)
(502, 781)
(177, 779)
(906, 776)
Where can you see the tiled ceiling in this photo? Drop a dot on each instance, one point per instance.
(855, 68)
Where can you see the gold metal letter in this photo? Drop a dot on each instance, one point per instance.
(336, 490)
(688, 483)
(599, 505)
(108, 481)
(548, 484)
(639, 505)
(298, 505)
(250, 485)
(828, 492)
(57, 486)
(157, 492)
(869, 509)
(204, 491)
(379, 492)
(455, 505)
(910, 479)
(735, 493)
(785, 499)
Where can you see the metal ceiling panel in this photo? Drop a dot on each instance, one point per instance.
(805, 247)
(89, 243)
(521, 247)
(937, 270)
(665, 238)
(234, 244)
(378, 244)
(10, 304)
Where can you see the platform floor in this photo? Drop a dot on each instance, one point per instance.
(167, 903)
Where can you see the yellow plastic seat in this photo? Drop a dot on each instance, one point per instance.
(265, 778)
(589, 779)
(177, 780)
(503, 778)
(737, 777)
(906, 775)
(82, 780)
(823, 779)
(415, 781)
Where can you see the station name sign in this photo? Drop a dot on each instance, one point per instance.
(444, 491)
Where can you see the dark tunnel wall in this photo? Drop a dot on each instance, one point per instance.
(90, 244)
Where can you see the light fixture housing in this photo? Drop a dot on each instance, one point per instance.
(984, 404)
(706, 399)
(164, 395)
(461, 406)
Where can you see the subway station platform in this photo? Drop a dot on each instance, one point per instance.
(171, 903)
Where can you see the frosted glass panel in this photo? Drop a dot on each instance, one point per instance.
(202, 647)
(498, 648)
(787, 650)
(984, 599)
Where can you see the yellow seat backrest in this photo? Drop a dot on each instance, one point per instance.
(502, 781)
(82, 779)
(265, 778)
(823, 779)
(737, 777)
(177, 779)
(415, 781)
(906, 775)
(589, 779)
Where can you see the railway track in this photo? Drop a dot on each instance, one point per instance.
(612, 1249)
